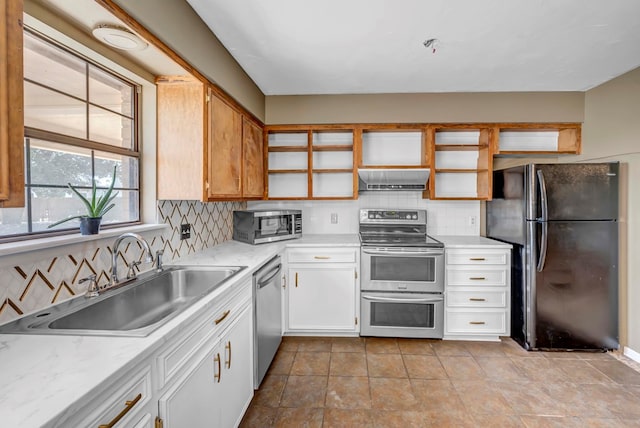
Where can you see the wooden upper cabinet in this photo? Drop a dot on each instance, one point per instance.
(225, 151)
(252, 149)
(11, 105)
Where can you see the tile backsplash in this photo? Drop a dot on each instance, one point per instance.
(35, 280)
(443, 217)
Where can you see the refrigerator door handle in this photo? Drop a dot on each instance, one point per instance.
(543, 220)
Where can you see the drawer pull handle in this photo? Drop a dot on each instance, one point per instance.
(226, 314)
(477, 278)
(477, 322)
(217, 376)
(477, 299)
(228, 348)
(477, 259)
(322, 257)
(128, 405)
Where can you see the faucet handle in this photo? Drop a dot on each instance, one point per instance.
(159, 254)
(131, 273)
(92, 290)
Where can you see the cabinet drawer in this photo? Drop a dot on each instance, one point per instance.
(173, 359)
(477, 298)
(472, 276)
(477, 257)
(322, 255)
(476, 322)
(121, 405)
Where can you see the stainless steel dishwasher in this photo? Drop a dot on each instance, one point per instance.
(267, 319)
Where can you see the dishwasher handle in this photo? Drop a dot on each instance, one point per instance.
(263, 282)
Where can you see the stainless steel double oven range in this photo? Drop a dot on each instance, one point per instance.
(402, 269)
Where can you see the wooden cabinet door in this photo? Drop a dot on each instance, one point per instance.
(252, 147)
(225, 151)
(11, 105)
(322, 297)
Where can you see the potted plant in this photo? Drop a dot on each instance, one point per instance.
(97, 206)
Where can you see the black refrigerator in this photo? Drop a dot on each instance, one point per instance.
(562, 220)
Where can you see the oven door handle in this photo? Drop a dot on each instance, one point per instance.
(405, 253)
(400, 300)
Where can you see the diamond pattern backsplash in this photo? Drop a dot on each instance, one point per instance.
(41, 282)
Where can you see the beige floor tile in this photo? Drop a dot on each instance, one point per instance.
(595, 356)
(282, 363)
(416, 346)
(540, 370)
(498, 421)
(257, 416)
(392, 394)
(347, 344)
(270, 391)
(630, 423)
(304, 391)
(311, 363)
(529, 398)
(348, 393)
(347, 418)
(424, 367)
(617, 399)
(451, 420)
(395, 418)
(289, 343)
(485, 349)
(578, 400)
(299, 417)
(482, 397)
(462, 368)
(499, 368)
(512, 349)
(314, 344)
(581, 371)
(619, 372)
(563, 355)
(386, 365)
(608, 423)
(437, 396)
(348, 364)
(550, 422)
(449, 348)
(382, 345)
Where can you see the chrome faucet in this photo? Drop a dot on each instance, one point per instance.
(113, 280)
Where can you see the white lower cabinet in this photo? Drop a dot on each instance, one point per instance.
(477, 294)
(216, 386)
(322, 295)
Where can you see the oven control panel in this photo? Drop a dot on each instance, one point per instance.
(392, 216)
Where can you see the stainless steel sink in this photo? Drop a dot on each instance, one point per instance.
(136, 309)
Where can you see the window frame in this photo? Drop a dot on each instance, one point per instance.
(134, 152)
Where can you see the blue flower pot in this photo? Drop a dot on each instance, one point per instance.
(90, 225)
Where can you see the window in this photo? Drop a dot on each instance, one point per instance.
(80, 121)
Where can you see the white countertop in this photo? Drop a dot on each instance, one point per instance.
(45, 378)
(464, 241)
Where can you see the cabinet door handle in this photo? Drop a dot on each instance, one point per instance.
(477, 278)
(321, 257)
(228, 348)
(477, 259)
(477, 322)
(217, 376)
(226, 314)
(296, 279)
(128, 405)
(477, 299)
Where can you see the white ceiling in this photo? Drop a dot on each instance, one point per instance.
(376, 46)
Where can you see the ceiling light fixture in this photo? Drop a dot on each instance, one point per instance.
(119, 38)
(431, 44)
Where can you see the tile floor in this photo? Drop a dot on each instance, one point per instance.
(377, 382)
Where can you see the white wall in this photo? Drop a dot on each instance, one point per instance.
(443, 217)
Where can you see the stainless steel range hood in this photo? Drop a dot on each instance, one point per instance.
(392, 179)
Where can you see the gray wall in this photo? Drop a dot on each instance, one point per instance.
(177, 25)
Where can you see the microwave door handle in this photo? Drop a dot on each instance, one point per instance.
(399, 300)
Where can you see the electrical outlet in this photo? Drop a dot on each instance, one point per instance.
(334, 218)
(185, 231)
(472, 220)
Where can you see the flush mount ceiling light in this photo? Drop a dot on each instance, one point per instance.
(119, 38)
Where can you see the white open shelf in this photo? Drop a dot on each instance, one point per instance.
(530, 141)
(392, 148)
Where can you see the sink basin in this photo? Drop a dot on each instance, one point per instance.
(136, 309)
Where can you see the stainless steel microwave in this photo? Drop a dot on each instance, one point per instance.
(260, 226)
